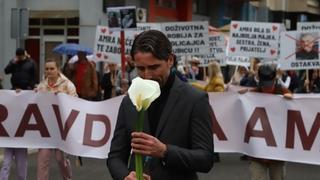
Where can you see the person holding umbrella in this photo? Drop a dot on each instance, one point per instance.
(84, 76)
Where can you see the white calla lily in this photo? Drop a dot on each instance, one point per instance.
(143, 92)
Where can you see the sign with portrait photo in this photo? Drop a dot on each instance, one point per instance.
(122, 18)
(299, 50)
(253, 39)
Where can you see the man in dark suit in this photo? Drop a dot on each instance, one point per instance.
(177, 140)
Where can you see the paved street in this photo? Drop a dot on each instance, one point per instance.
(230, 168)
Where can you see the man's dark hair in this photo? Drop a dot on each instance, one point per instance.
(154, 42)
(20, 52)
(267, 72)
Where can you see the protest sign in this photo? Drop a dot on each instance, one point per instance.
(308, 26)
(253, 39)
(238, 61)
(122, 18)
(130, 35)
(217, 46)
(188, 38)
(107, 45)
(207, 59)
(299, 50)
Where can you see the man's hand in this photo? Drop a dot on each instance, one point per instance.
(243, 91)
(18, 90)
(288, 96)
(148, 145)
(132, 176)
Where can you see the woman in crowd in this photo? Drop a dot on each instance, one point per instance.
(215, 84)
(312, 85)
(54, 82)
(215, 79)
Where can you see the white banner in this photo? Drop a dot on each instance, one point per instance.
(299, 50)
(45, 120)
(260, 125)
(253, 39)
(267, 126)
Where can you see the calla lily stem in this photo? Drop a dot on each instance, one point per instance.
(138, 157)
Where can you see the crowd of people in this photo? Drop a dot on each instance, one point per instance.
(178, 157)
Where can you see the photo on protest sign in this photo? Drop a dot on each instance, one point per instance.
(107, 45)
(253, 39)
(114, 18)
(299, 50)
(307, 46)
(188, 38)
(122, 18)
(128, 18)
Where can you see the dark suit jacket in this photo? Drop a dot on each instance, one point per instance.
(185, 126)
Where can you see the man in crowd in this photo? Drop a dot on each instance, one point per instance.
(83, 74)
(167, 156)
(122, 83)
(267, 169)
(23, 72)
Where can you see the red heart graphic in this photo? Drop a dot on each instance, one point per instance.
(274, 28)
(98, 55)
(233, 49)
(272, 51)
(235, 26)
(103, 30)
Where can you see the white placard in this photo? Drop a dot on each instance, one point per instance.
(188, 38)
(308, 26)
(254, 39)
(130, 35)
(238, 61)
(299, 50)
(107, 45)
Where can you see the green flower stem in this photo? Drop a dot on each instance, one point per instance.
(138, 158)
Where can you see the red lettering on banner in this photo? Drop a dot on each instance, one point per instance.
(90, 119)
(294, 118)
(34, 110)
(3, 117)
(69, 122)
(216, 128)
(266, 132)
